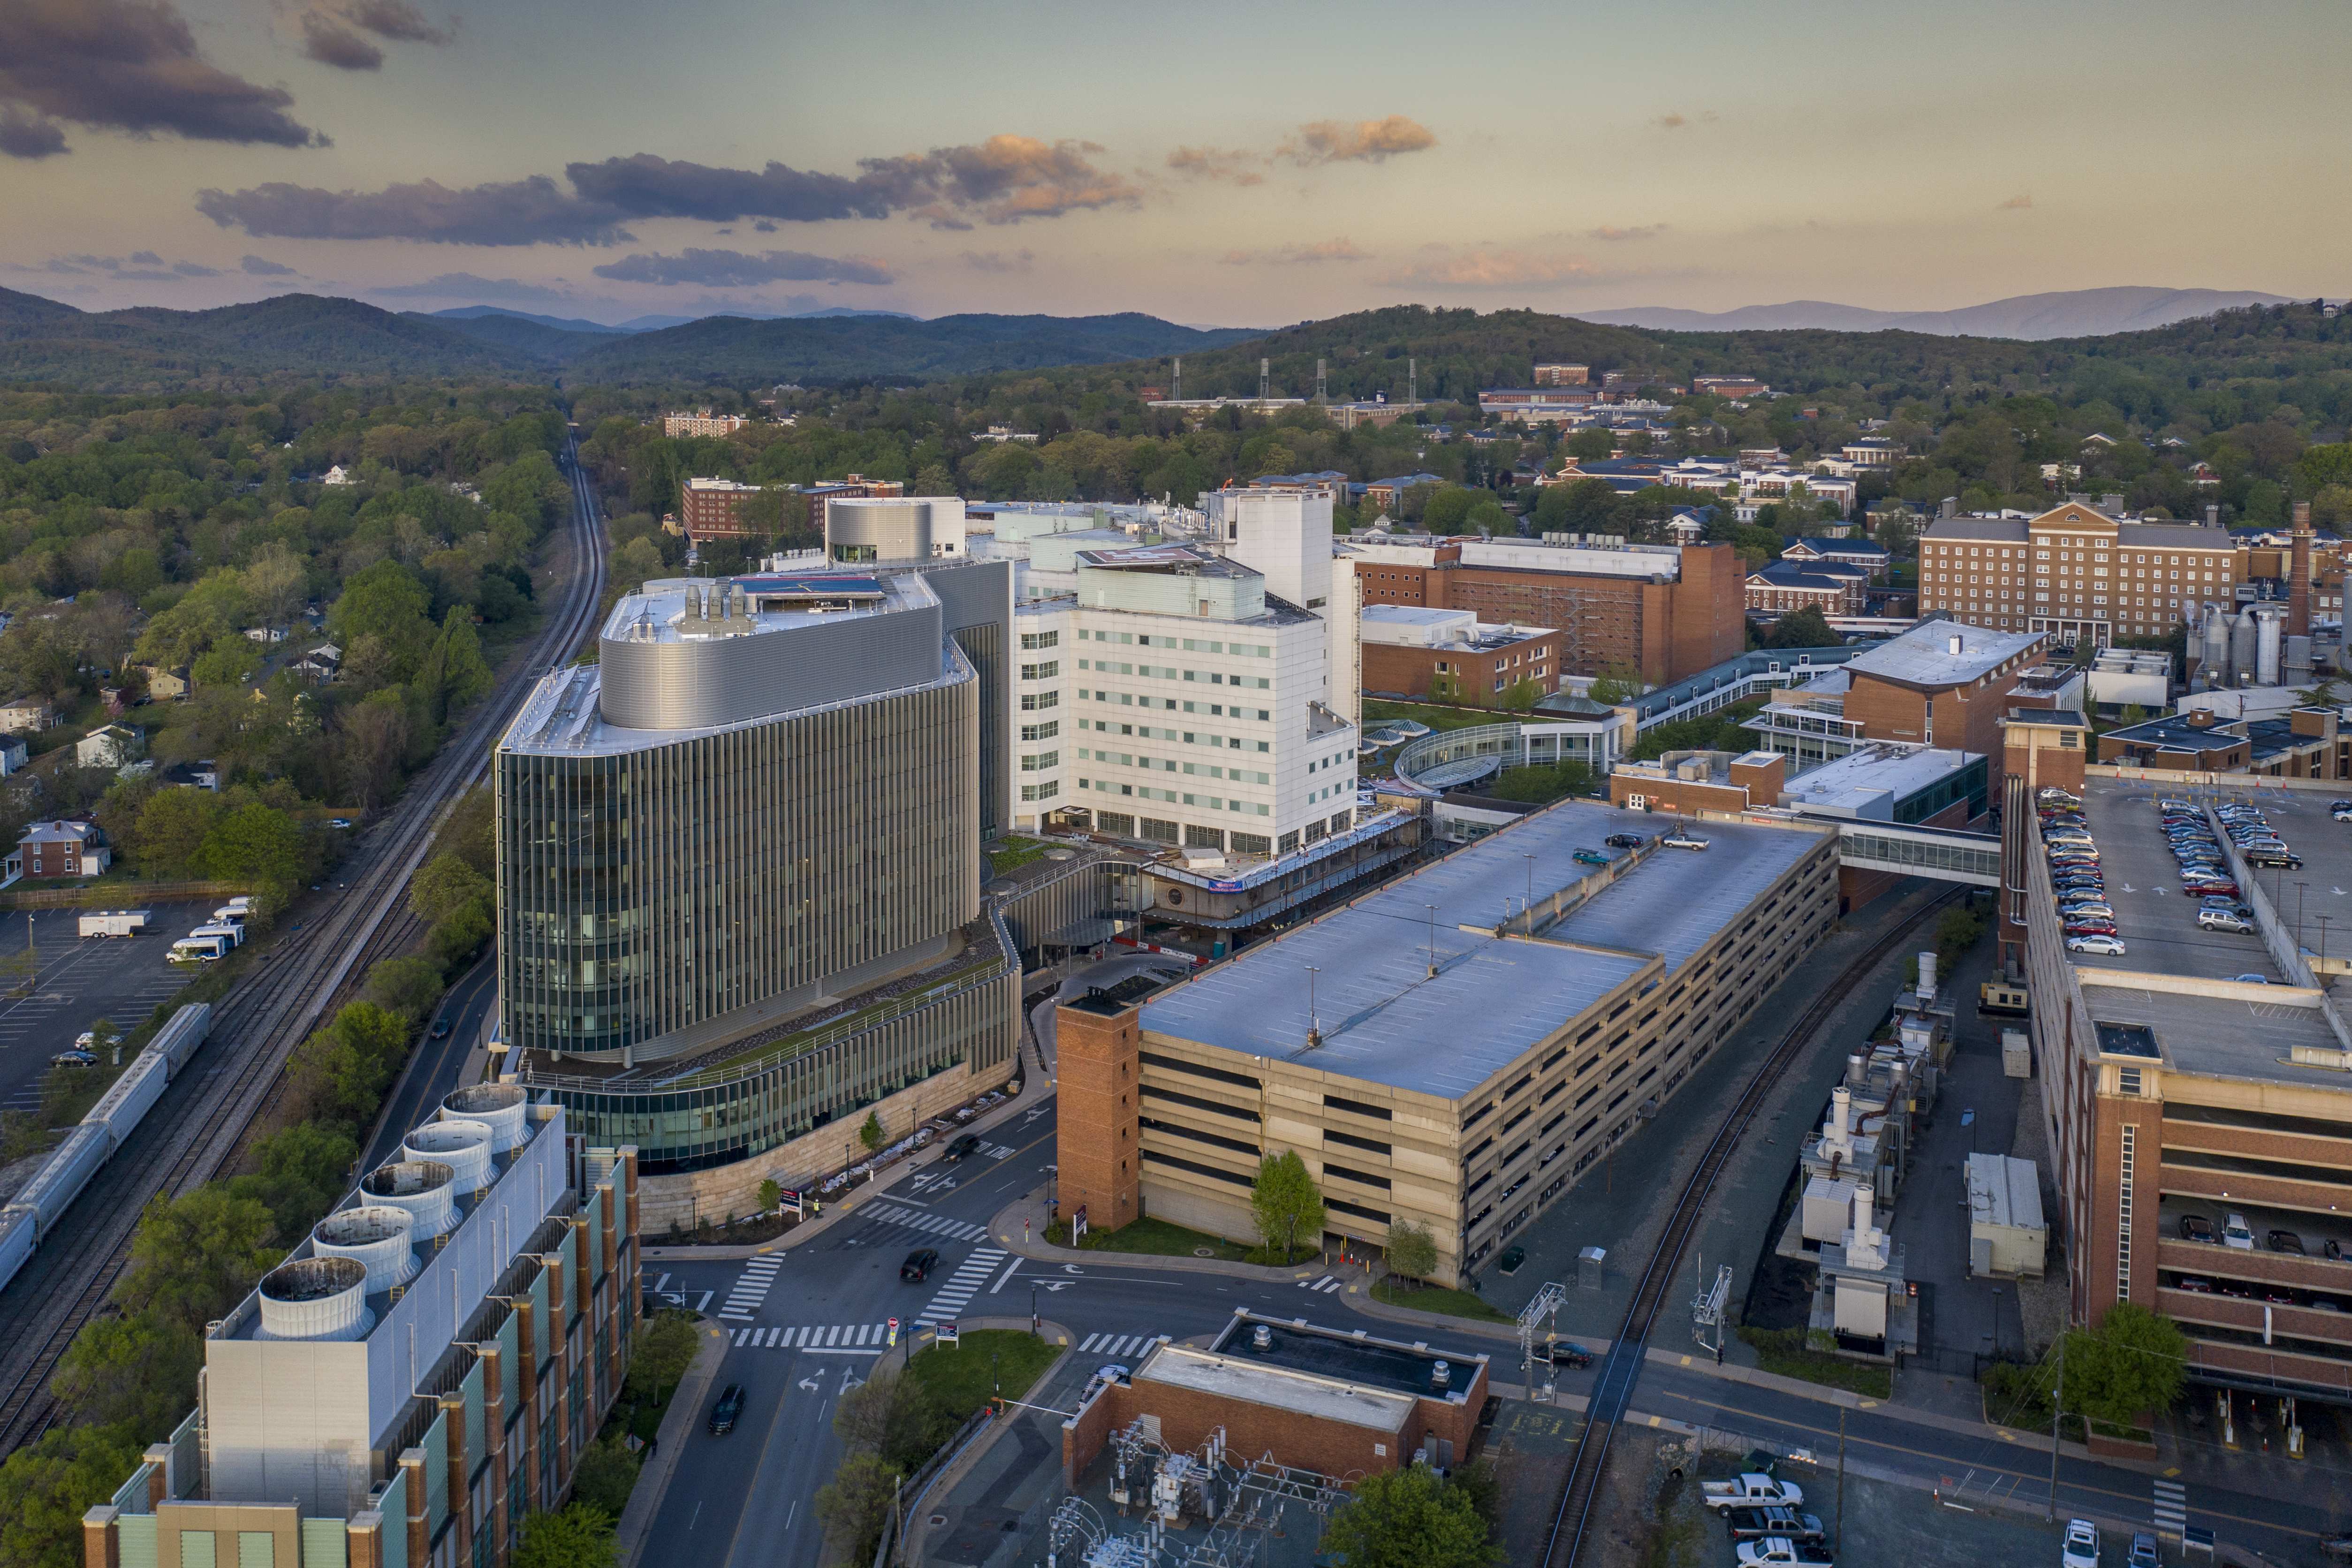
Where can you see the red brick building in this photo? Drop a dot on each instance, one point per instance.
(1453, 656)
(1943, 683)
(1687, 614)
(62, 848)
(713, 509)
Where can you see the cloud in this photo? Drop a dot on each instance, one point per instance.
(2015, 205)
(1670, 122)
(1615, 235)
(1365, 142)
(146, 258)
(194, 269)
(738, 269)
(24, 135)
(1004, 180)
(1217, 163)
(516, 212)
(329, 42)
(481, 290)
(139, 266)
(395, 19)
(1341, 249)
(262, 266)
(997, 261)
(1485, 267)
(126, 65)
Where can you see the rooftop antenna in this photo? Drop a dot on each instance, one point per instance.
(1432, 939)
(1265, 380)
(1320, 395)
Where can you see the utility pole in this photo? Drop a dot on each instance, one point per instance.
(1840, 1493)
(2057, 1408)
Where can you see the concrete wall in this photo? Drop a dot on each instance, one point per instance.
(681, 1198)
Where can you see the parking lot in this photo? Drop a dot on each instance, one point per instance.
(2157, 920)
(78, 980)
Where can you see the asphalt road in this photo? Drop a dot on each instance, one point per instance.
(435, 1066)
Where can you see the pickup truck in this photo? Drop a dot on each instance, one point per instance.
(1752, 1491)
(1762, 1523)
(1781, 1552)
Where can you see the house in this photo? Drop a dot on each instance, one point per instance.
(1873, 559)
(2098, 441)
(13, 753)
(109, 745)
(26, 716)
(62, 848)
(1688, 524)
(322, 664)
(1385, 493)
(1830, 586)
(267, 636)
(165, 685)
(338, 475)
(202, 774)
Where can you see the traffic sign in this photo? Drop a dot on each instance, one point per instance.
(947, 1334)
(893, 1331)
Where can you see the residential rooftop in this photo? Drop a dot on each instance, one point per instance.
(1377, 1007)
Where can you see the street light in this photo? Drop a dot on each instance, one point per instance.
(1432, 939)
(2298, 912)
(1311, 1023)
(1531, 880)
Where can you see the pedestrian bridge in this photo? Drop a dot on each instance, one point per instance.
(1945, 854)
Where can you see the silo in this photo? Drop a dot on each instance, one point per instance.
(2217, 647)
(2268, 629)
(2241, 648)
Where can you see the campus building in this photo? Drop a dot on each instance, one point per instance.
(1451, 656)
(1667, 610)
(1571, 996)
(738, 884)
(421, 1373)
(2076, 572)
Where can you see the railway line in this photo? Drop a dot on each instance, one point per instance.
(1613, 1389)
(202, 1117)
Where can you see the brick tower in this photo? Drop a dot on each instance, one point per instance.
(1098, 1045)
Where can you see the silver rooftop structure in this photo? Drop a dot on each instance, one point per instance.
(1384, 1017)
(1927, 656)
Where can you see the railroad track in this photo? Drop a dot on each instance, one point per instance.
(1622, 1367)
(197, 1126)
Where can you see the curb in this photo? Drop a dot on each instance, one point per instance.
(951, 1475)
(644, 1501)
(1007, 1220)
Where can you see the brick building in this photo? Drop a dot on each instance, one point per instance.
(1943, 683)
(1668, 611)
(1784, 585)
(64, 847)
(2301, 743)
(1450, 655)
(1557, 375)
(713, 509)
(2076, 572)
(701, 423)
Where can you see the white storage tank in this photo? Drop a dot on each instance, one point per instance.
(376, 1236)
(463, 1147)
(316, 1297)
(2268, 629)
(2242, 649)
(501, 1107)
(427, 1189)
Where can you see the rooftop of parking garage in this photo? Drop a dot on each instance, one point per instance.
(2179, 979)
(1360, 977)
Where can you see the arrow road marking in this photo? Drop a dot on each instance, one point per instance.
(811, 1383)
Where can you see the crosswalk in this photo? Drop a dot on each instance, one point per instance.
(855, 1339)
(750, 1290)
(1328, 1285)
(927, 1224)
(957, 1293)
(2171, 1507)
(1120, 1344)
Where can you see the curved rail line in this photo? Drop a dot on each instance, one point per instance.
(203, 1115)
(1614, 1387)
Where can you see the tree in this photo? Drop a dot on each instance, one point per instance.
(444, 885)
(194, 1258)
(855, 1504)
(305, 1167)
(171, 827)
(1619, 681)
(1409, 1519)
(579, 1536)
(408, 986)
(253, 844)
(46, 1488)
(136, 1372)
(385, 602)
(1806, 628)
(771, 1193)
(2130, 1366)
(870, 1133)
(665, 1348)
(1412, 1249)
(457, 670)
(606, 1474)
(229, 662)
(1284, 1203)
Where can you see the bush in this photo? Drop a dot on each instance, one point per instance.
(605, 1476)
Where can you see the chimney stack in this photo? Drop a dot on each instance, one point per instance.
(2298, 591)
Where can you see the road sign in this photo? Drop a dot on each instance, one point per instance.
(789, 1201)
(893, 1331)
(1077, 1225)
(947, 1334)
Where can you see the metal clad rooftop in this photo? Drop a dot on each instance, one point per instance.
(1385, 1019)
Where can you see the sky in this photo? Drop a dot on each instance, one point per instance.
(1211, 164)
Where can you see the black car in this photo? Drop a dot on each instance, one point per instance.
(920, 1264)
(441, 1029)
(2285, 1241)
(1563, 1353)
(1623, 841)
(2196, 1228)
(967, 1145)
(723, 1414)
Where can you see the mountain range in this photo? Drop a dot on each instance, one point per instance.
(2032, 318)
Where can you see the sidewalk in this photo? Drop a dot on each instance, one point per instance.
(840, 1208)
(653, 1481)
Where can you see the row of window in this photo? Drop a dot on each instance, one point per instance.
(1190, 644)
(1164, 672)
(1189, 736)
(1199, 770)
(1169, 704)
(1145, 792)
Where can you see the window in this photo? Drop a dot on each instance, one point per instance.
(1037, 762)
(1031, 640)
(1045, 791)
(1045, 672)
(1033, 701)
(1045, 731)
(2124, 1214)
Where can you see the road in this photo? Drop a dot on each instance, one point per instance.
(435, 1066)
(808, 1322)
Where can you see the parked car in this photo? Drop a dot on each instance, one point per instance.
(2285, 1241)
(1679, 840)
(2196, 1228)
(2142, 1552)
(1588, 857)
(1777, 1551)
(1623, 841)
(2235, 1233)
(2222, 920)
(918, 1265)
(2106, 946)
(2081, 1547)
(2268, 859)
(74, 1059)
(1762, 1523)
(730, 1407)
(2251, 978)
(2197, 1283)
(341, 822)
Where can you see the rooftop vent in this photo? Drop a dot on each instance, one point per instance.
(463, 1147)
(427, 1189)
(1441, 1376)
(377, 1238)
(501, 1107)
(316, 1297)
(1953, 644)
(1261, 1338)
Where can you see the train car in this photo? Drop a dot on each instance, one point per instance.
(2002, 997)
(181, 1033)
(19, 1234)
(68, 1169)
(131, 1096)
